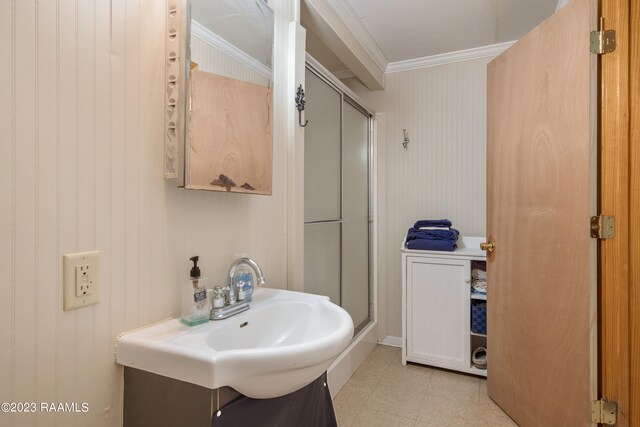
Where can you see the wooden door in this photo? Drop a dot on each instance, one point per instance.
(540, 196)
(619, 195)
(633, 331)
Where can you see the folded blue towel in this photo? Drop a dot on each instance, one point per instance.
(432, 223)
(432, 245)
(451, 234)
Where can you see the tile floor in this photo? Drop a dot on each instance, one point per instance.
(385, 393)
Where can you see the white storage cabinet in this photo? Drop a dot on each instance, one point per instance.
(436, 307)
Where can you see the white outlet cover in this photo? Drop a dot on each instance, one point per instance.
(70, 263)
(84, 279)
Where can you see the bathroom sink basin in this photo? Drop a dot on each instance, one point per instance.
(282, 343)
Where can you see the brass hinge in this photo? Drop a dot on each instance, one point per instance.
(603, 227)
(603, 41)
(604, 412)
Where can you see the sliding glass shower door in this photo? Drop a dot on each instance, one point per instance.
(355, 211)
(322, 189)
(336, 231)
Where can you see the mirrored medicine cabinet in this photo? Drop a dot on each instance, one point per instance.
(219, 95)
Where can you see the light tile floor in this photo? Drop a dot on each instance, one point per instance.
(385, 393)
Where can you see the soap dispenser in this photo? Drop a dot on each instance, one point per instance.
(196, 307)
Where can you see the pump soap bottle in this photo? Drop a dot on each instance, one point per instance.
(196, 307)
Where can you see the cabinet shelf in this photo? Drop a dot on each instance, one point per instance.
(478, 335)
(477, 371)
(478, 297)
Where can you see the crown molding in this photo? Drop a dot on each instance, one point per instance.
(200, 31)
(449, 57)
(343, 74)
(351, 19)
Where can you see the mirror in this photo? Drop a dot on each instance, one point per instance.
(228, 135)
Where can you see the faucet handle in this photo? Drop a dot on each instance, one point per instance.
(218, 296)
(242, 295)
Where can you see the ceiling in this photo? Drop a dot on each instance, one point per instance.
(245, 24)
(408, 29)
(401, 30)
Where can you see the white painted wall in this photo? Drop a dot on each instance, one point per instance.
(82, 121)
(440, 175)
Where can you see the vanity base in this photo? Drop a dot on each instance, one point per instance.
(154, 400)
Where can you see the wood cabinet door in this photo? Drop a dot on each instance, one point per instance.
(541, 293)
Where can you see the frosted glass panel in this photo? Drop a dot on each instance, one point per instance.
(355, 194)
(355, 158)
(355, 270)
(321, 151)
(322, 260)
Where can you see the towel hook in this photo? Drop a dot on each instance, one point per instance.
(300, 105)
(405, 142)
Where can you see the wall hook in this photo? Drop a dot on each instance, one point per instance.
(405, 142)
(300, 105)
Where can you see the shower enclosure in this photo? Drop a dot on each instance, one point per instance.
(337, 210)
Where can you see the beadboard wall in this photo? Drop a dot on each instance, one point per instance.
(82, 169)
(212, 60)
(442, 172)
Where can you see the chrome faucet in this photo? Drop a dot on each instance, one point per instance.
(251, 263)
(232, 305)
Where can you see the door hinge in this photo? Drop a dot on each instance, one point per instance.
(603, 227)
(603, 41)
(604, 412)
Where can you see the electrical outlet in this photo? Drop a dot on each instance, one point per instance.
(80, 277)
(84, 280)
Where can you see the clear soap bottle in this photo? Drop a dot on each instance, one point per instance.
(196, 307)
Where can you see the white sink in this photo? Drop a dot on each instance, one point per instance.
(285, 341)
